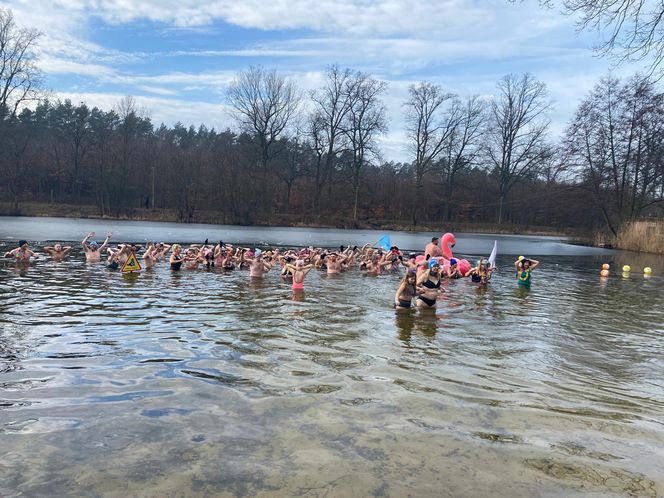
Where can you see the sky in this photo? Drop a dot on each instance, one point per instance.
(177, 57)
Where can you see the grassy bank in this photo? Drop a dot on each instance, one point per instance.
(642, 236)
(213, 217)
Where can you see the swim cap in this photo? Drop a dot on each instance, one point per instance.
(433, 262)
(21, 242)
(412, 255)
(258, 252)
(94, 243)
(453, 262)
(520, 258)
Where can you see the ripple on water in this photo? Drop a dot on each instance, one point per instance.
(551, 387)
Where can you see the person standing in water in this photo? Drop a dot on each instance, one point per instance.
(92, 249)
(257, 265)
(429, 280)
(524, 267)
(299, 271)
(432, 250)
(22, 253)
(407, 291)
(57, 251)
(480, 274)
(177, 258)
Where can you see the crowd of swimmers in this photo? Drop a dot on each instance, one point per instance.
(421, 282)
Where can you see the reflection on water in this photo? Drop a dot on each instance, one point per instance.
(204, 383)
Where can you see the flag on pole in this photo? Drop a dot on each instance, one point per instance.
(492, 257)
(384, 243)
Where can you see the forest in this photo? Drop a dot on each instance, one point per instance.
(314, 158)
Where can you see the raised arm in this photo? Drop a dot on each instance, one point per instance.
(423, 277)
(108, 237)
(84, 242)
(534, 264)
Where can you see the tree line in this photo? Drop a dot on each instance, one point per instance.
(315, 157)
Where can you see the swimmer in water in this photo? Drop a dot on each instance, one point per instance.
(58, 252)
(177, 258)
(335, 263)
(523, 268)
(429, 280)
(150, 255)
(481, 273)
(92, 249)
(192, 258)
(257, 265)
(161, 250)
(453, 271)
(411, 262)
(299, 271)
(114, 255)
(22, 253)
(407, 290)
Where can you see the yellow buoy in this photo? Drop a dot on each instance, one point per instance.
(627, 268)
(606, 266)
(647, 270)
(604, 273)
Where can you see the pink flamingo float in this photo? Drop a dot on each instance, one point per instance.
(447, 242)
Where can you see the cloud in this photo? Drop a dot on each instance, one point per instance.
(351, 16)
(463, 45)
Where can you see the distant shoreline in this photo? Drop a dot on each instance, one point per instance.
(33, 209)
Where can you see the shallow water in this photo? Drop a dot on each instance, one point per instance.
(204, 383)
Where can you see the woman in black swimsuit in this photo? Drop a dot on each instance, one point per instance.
(176, 259)
(430, 281)
(453, 270)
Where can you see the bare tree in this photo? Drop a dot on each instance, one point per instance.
(634, 28)
(364, 122)
(462, 144)
(20, 80)
(615, 142)
(516, 141)
(264, 103)
(325, 127)
(429, 125)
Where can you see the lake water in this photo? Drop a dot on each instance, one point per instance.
(202, 383)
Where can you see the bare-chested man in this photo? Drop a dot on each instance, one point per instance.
(433, 249)
(335, 263)
(58, 252)
(92, 249)
(258, 266)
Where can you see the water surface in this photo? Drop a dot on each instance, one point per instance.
(206, 384)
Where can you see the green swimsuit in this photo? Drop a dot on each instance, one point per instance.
(524, 277)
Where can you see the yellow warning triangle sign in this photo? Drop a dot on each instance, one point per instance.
(132, 264)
